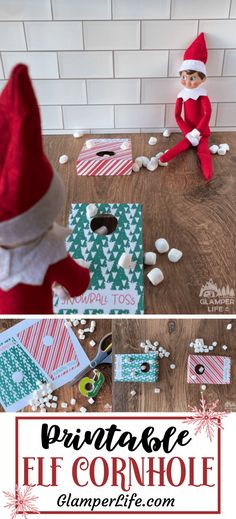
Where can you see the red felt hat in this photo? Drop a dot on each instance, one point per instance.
(25, 172)
(195, 55)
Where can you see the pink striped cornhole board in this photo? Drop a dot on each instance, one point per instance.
(119, 164)
(216, 369)
(60, 354)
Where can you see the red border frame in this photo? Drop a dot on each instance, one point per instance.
(17, 420)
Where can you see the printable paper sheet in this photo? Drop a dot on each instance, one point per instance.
(33, 350)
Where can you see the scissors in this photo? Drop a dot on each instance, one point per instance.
(103, 356)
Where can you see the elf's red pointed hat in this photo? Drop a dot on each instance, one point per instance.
(31, 193)
(195, 56)
(25, 172)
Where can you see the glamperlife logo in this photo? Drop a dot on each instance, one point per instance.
(217, 299)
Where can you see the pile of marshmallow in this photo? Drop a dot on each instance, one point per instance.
(220, 150)
(199, 346)
(152, 163)
(156, 276)
(74, 321)
(43, 399)
(161, 353)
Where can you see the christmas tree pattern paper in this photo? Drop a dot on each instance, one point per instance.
(18, 373)
(112, 290)
(105, 157)
(136, 368)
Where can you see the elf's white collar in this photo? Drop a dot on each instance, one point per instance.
(192, 93)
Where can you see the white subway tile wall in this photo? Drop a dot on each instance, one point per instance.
(112, 65)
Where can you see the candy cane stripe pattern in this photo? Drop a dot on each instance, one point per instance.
(89, 163)
(59, 352)
(216, 369)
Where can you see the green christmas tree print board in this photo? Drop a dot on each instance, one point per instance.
(18, 375)
(112, 290)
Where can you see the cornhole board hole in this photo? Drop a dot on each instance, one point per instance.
(105, 157)
(112, 290)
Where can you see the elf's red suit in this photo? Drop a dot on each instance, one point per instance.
(196, 107)
(33, 256)
(197, 113)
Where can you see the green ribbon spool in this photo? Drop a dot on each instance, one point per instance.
(90, 387)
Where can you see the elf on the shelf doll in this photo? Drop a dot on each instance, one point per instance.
(197, 107)
(33, 257)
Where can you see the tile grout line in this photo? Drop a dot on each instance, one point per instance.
(24, 30)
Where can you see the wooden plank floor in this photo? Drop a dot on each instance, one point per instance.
(176, 394)
(66, 392)
(197, 218)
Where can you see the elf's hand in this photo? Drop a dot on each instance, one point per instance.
(194, 137)
(60, 291)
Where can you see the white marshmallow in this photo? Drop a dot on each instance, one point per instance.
(224, 146)
(203, 387)
(139, 161)
(157, 390)
(60, 291)
(63, 159)
(125, 260)
(155, 276)
(83, 410)
(124, 145)
(224, 347)
(77, 135)
(174, 255)
(64, 405)
(132, 392)
(145, 161)
(152, 164)
(54, 405)
(83, 321)
(152, 141)
(102, 231)
(166, 133)
(221, 151)
(135, 167)
(229, 326)
(72, 401)
(83, 263)
(162, 245)
(91, 401)
(172, 366)
(214, 149)
(91, 210)
(149, 258)
(92, 343)
(89, 144)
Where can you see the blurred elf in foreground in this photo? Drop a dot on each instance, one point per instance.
(33, 256)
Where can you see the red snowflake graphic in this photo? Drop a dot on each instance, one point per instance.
(22, 502)
(206, 418)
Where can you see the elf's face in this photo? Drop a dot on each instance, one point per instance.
(190, 80)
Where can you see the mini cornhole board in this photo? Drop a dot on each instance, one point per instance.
(112, 289)
(105, 157)
(208, 369)
(136, 368)
(37, 350)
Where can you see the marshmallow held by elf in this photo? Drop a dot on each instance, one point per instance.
(196, 106)
(33, 256)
